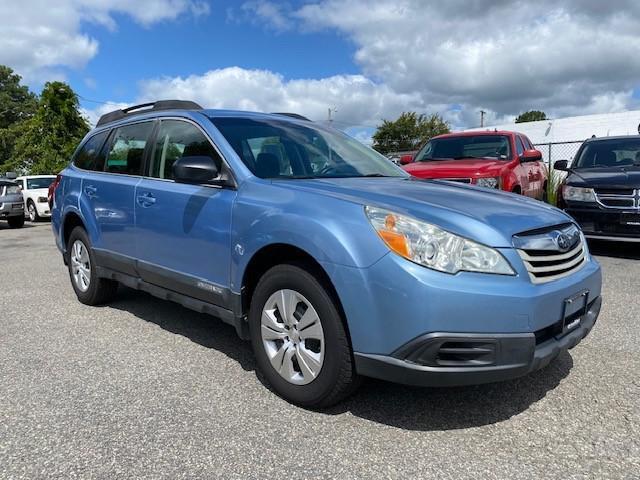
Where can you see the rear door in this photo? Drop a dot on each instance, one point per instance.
(110, 194)
(523, 170)
(538, 170)
(184, 230)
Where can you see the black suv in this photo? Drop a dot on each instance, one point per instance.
(602, 188)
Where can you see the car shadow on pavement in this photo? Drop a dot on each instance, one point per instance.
(410, 408)
(5, 226)
(200, 328)
(627, 250)
(452, 408)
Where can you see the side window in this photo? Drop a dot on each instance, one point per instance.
(91, 156)
(527, 143)
(519, 146)
(177, 139)
(127, 148)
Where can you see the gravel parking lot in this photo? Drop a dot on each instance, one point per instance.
(143, 388)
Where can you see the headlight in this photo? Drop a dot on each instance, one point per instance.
(490, 182)
(42, 200)
(578, 194)
(433, 247)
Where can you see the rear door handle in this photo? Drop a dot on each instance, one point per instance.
(90, 190)
(146, 199)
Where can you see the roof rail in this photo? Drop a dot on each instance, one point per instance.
(147, 107)
(292, 115)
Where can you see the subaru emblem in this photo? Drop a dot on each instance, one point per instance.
(564, 241)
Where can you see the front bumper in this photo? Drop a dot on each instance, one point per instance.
(607, 224)
(451, 359)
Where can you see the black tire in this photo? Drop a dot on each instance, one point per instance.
(16, 222)
(337, 378)
(100, 290)
(36, 216)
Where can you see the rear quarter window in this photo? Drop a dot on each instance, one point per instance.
(91, 156)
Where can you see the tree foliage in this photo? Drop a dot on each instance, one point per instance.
(531, 116)
(44, 143)
(17, 104)
(408, 132)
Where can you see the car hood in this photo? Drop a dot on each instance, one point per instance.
(476, 167)
(36, 191)
(609, 177)
(490, 217)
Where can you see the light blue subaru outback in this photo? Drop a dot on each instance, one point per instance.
(330, 259)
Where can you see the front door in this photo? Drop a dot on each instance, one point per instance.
(183, 231)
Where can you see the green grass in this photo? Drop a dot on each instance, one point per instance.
(555, 179)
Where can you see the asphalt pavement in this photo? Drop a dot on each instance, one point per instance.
(144, 388)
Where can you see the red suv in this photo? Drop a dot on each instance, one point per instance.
(497, 159)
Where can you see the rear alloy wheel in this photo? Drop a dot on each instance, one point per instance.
(299, 338)
(33, 212)
(90, 289)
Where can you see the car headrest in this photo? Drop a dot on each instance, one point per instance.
(134, 161)
(267, 165)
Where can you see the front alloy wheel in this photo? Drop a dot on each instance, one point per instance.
(292, 336)
(299, 338)
(33, 213)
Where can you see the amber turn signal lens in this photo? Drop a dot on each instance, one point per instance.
(395, 241)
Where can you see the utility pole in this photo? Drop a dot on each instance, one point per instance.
(330, 110)
(482, 112)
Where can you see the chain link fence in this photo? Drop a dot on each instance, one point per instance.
(554, 151)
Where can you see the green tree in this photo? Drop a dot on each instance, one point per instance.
(531, 116)
(17, 104)
(408, 132)
(46, 141)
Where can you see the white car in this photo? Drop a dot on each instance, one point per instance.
(35, 189)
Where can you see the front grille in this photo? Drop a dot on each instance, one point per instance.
(543, 255)
(459, 180)
(624, 198)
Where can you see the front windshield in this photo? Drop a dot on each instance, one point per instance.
(463, 147)
(273, 148)
(43, 182)
(623, 152)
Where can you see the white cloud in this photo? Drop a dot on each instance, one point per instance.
(41, 38)
(268, 13)
(575, 56)
(359, 100)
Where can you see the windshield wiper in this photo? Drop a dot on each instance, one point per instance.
(376, 175)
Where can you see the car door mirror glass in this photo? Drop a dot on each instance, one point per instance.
(561, 165)
(195, 169)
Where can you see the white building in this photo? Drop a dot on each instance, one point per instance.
(559, 139)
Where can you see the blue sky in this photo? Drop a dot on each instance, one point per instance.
(195, 45)
(367, 59)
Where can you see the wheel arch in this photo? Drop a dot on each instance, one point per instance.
(282, 253)
(71, 221)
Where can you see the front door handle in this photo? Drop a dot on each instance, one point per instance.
(90, 190)
(146, 199)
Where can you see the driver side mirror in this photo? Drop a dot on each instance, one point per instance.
(562, 165)
(195, 169)
(531, 155)
(404, 159)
